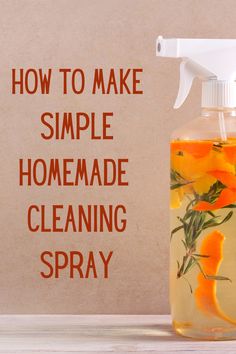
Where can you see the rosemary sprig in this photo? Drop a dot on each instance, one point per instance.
(177, 180)
(193, 223)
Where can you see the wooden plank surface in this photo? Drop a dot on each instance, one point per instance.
(98, 334)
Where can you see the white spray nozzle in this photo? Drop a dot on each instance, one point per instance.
(211, 60)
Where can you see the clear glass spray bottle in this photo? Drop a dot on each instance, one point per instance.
(203, 193)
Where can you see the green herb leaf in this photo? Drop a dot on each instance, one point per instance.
(211, 213)
(185, 245)
(231, 206)
(191, 262)
(177, 180)
(217, 277)
(175, 230)
(178, 185)
(201, 255)
(178, 265)
(213, 222)
(201, 270)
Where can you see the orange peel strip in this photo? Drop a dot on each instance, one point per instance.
(226, 197)
(205, 293)
(230, 153)
(197, 149)
(227, 178)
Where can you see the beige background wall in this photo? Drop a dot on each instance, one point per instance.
(91, 34)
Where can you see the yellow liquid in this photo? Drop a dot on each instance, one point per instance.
(188, 318)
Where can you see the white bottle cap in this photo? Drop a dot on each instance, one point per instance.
(218, 93)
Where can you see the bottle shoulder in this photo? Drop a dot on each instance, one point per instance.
(205, 127)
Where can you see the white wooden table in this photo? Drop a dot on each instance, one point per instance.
(98, 334)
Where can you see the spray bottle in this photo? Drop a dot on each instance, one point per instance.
(203, 192)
